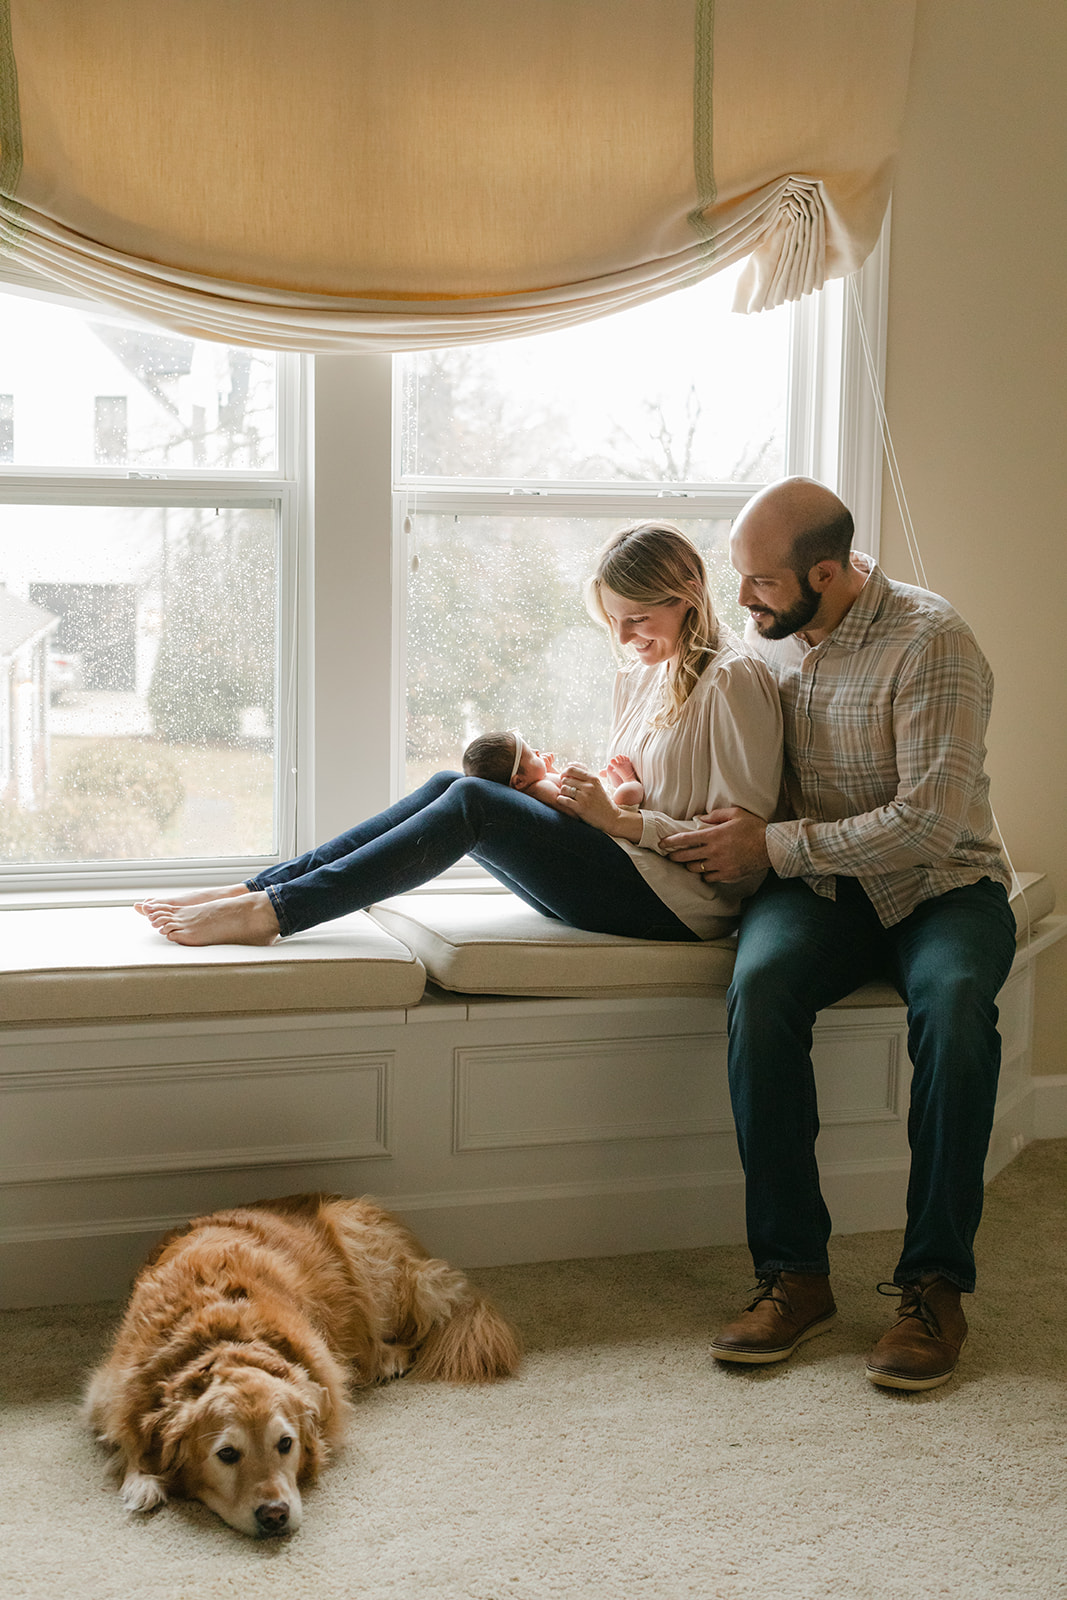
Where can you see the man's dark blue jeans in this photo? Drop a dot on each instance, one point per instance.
(797, 953)
(559, 865)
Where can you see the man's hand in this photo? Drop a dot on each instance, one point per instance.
(733, 845)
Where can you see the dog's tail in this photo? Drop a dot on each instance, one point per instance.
(472, 1342)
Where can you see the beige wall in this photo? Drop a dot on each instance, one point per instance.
(976, 392)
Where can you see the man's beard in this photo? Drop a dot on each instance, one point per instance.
(795, 617)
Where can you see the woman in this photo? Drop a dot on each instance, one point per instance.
(699, 720)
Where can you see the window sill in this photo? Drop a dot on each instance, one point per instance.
(468, 879)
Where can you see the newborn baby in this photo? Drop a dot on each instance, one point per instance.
(507, 758)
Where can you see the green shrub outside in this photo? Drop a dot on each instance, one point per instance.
(111, 803)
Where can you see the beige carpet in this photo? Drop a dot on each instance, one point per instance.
(623, 1463)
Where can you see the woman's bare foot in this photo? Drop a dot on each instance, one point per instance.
(191, 897)
(248, 919)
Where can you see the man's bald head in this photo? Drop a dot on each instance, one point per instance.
(799, 523)
(792, 546)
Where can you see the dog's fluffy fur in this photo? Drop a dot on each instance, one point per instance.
(227, 1379)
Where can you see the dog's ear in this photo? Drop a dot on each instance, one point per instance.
(160, 1417)
(143, 1443)
(136, 1411)
(169, 1423)
(173, 1427)
(316, 1407)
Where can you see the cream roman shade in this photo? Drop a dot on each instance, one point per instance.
(330, 174)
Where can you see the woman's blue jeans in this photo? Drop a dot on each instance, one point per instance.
(562, 867)
(797, 953)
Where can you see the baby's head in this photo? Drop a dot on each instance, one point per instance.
(503, 758)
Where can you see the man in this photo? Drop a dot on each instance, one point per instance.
(886, 869)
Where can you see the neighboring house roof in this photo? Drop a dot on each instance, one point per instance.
(154, 358)
(20, 622)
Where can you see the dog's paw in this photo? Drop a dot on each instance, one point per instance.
(393, 1361)
(142, 1492)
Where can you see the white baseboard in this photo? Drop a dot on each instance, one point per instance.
(78, 1263)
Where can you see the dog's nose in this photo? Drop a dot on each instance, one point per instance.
(273, 1516)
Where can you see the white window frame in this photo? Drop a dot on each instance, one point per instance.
(342, 586)
(279, 490)
(832, 434)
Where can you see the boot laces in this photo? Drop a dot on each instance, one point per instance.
(770, 1288)
(913, 1303)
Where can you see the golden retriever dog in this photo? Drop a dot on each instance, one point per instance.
(227, 1378)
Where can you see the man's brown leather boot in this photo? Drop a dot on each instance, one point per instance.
(923, 1346)
(789, 1307)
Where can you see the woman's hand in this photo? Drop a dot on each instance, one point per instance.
(581, 794)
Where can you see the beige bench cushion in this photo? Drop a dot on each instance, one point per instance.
(495, 944)
(108, 962)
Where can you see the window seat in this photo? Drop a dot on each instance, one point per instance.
(495, 944)
(548, 1094)
(106, 963)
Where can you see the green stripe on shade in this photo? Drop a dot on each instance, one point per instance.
(10, 136)
(703, 167)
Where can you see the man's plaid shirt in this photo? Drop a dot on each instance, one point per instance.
(885, 727)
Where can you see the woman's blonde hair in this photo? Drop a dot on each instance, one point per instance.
(653, 563)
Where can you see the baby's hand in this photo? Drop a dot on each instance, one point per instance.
(549, 760)
(620, 769)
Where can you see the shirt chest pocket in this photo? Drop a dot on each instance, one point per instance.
(856, 730)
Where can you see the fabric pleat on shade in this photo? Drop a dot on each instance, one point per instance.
(332, 174)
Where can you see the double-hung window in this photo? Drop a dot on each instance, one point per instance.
(514, 461)
(246, 597)
(147, 560)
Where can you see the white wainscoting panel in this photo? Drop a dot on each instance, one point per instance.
(513, 1097)
(858, 1071)
(191, 1116)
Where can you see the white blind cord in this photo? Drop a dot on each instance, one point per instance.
(912, 537)
(887, 440)
(411, 497)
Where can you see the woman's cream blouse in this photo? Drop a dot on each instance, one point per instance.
(724, 750)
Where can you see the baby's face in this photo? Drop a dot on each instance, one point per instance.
(531, 768)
